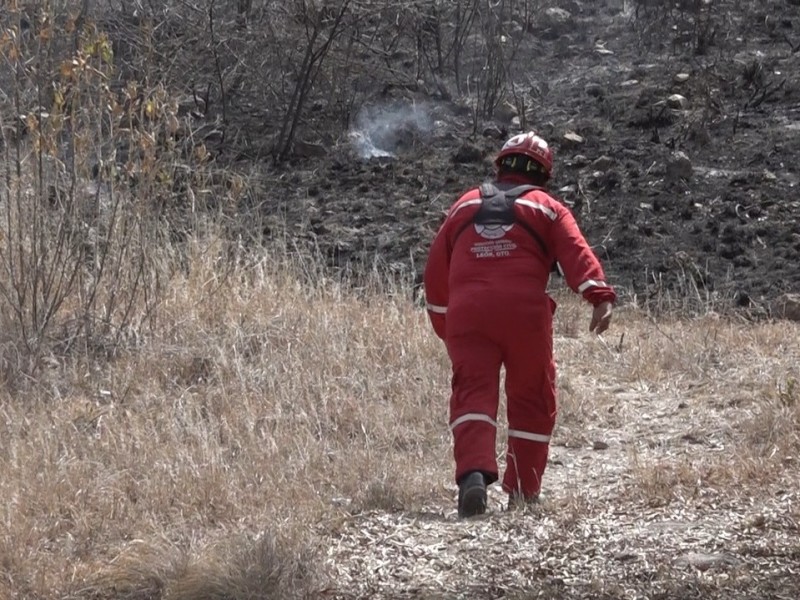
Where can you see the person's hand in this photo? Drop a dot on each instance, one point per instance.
(601, 317)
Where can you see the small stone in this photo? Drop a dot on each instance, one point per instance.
(468, 153)
(595, 90)
(493, 131)
(681, 78)
(758, 521)
(786, 306)
(558, 18)
(629, 83)
(306, 149)
(677, 102)
(679, 167)
(603, 163)
(505, 112)
(573, 138)
(599, 445)
(579, 160)
(692, 438)
(703, 561)
(627, 556)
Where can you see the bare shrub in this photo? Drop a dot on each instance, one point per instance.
(304, 69)
(93, 181)
(693, 26)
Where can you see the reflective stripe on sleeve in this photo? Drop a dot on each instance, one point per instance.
(551, 214)
(439, 310)
(590, 283)
(473, 417)
(524, 435)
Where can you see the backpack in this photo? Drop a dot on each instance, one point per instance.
(497, 208)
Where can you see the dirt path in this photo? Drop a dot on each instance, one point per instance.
(635, 519)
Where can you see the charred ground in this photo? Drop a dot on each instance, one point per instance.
(280, 94)
(727, 234)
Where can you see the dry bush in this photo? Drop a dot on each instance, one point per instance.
(94, 177)
(141, 571)
(252, 567)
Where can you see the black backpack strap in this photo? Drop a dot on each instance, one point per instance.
(514, 193)
(537, 238)
(488, 190)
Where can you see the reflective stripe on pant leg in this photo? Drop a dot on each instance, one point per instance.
(527, 458)
(526, 435)
(472, 417)
(526, 462)
(474, 436)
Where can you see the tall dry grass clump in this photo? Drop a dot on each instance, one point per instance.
(268, 399)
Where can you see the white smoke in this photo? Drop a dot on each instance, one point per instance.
(380, 131)
(365, 148)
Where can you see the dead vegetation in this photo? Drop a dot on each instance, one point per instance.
(278, 435)
(188, 411)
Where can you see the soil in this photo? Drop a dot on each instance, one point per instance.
(597, 534)
(723, 233)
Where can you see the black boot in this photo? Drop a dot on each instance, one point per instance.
(472, 495)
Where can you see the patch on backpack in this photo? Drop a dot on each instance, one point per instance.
(492, 231)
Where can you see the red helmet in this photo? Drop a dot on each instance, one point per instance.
(531, 145)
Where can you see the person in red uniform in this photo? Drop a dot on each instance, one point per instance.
(485, 287)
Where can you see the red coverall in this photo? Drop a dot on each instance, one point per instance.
(486, 298)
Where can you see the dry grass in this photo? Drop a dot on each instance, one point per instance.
(278, 435)
(258, 430)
